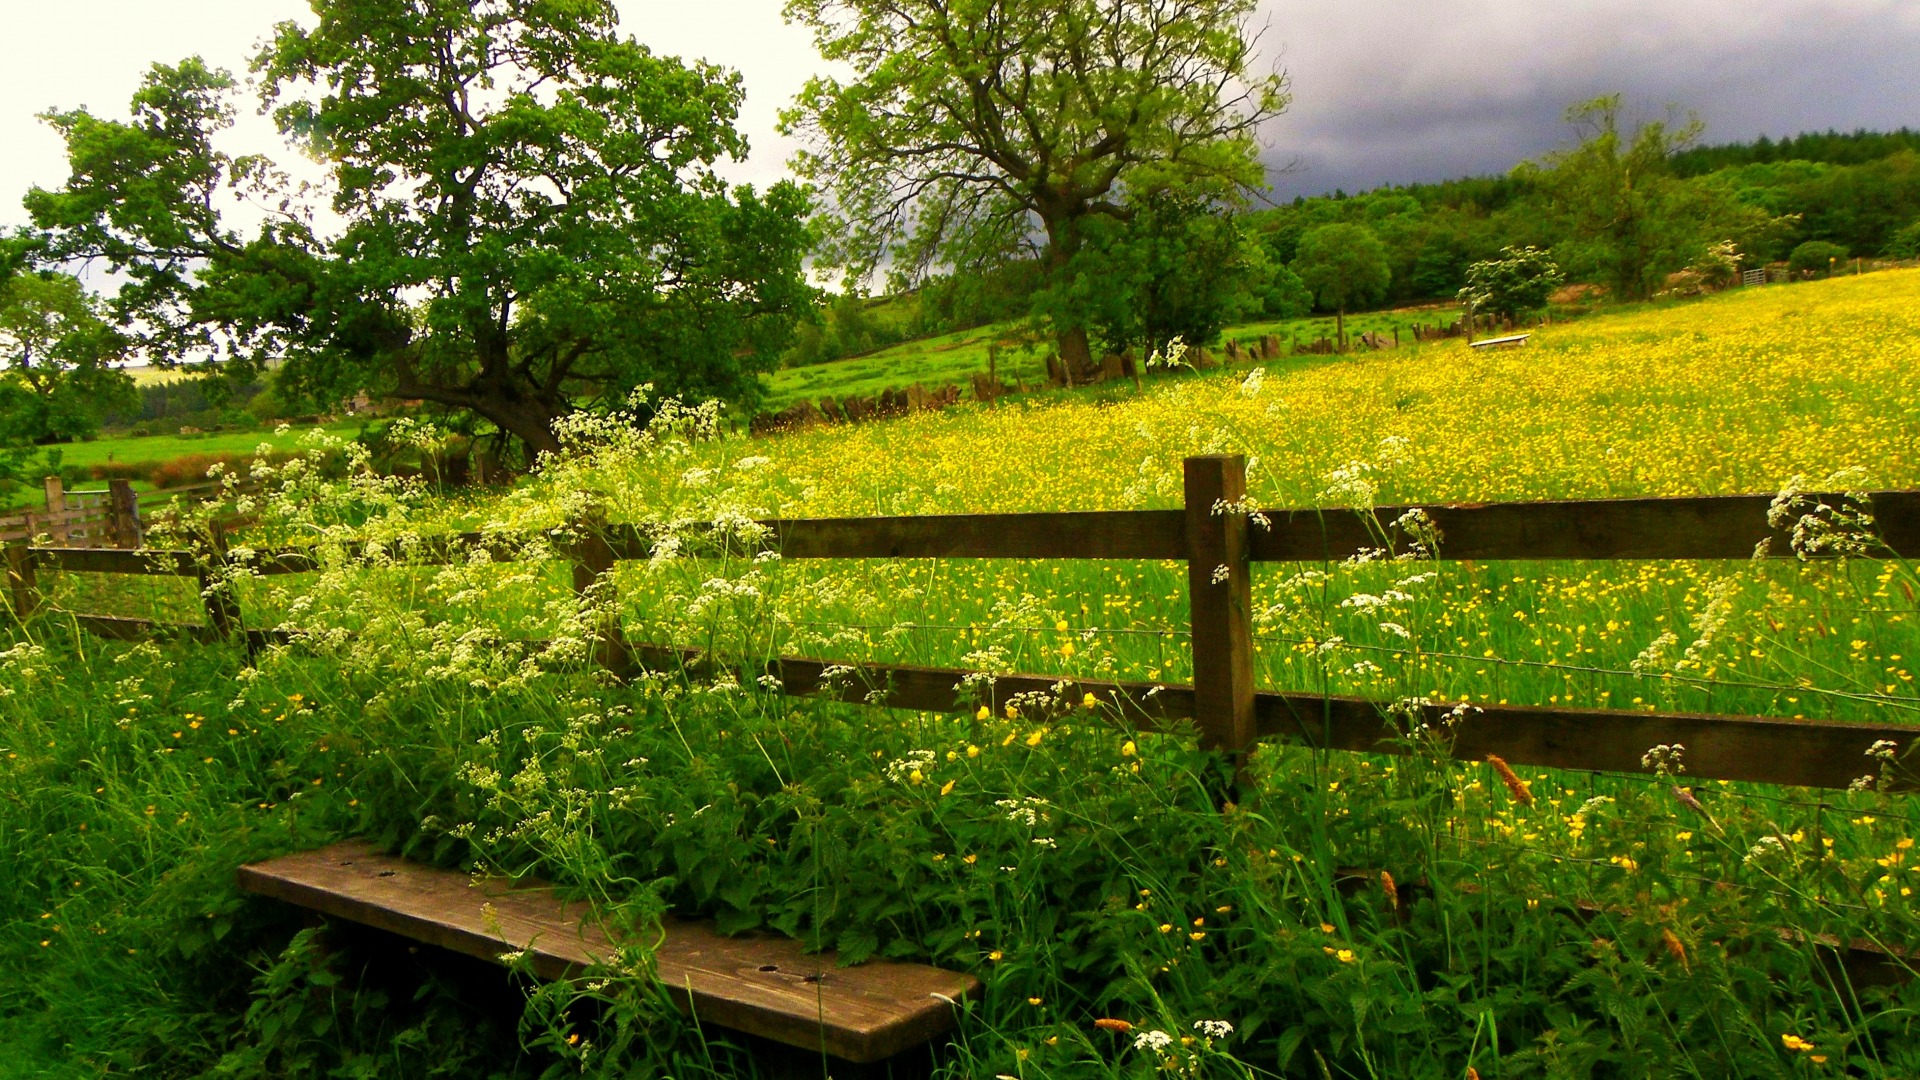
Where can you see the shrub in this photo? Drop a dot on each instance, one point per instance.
(1516, 283)
(1287, 297)
(188, 469)
(1719, 265)
(1815, 257)
(121, 470)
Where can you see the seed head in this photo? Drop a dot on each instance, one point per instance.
(1521, 793)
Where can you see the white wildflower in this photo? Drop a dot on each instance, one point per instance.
(1156, 1040)
(1213, 1029)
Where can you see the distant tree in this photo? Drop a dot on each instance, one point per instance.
(1816, 257)
(1719, 265)
(1440, 265)
(1617, 199)
(1515, 284)
(56, 356)
(1286, 296)
(531, 218)
(1177, 267)
(1851, 148)
(966, 131)
(1343, 266)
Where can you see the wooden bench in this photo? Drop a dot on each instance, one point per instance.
(762, 985)
(1511, 341)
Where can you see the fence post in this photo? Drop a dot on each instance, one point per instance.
(123, 514)
(593, 564)
(1220, 595)
(216, 588)
(57, 510)
(21, 583)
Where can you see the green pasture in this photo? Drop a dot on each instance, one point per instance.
(954, 358)
(142, 449)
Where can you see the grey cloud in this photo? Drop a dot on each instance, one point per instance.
(1393, 92)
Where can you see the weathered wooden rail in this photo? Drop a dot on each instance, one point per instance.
(1219, 541)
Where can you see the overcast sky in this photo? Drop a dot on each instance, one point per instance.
(1385, 90)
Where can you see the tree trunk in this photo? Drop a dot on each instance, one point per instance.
(525, 421)
(1063, 239)
(1075, 353)
(524, 418)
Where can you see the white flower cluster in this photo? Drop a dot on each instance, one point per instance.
(1213, 1029)
(1818, 527)
(1025, 811)
(1664, 759)
(1764, 847)
(1155, 1040)
(901, 770)
(1366, 603)
(1654, 656)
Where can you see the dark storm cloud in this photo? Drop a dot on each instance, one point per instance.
(1393, 92)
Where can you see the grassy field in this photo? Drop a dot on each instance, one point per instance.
(139, 449)
(1573, 926)
(954, 358)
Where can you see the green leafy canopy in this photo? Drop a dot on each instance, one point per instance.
(530, 218)
(1343, 265)
(968, 130)
(56, 361)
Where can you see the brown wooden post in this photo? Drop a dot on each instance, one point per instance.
(21, 583)
(593, 560)
(57, 510)
(1220, 594)
(216, 588)
(123, 514)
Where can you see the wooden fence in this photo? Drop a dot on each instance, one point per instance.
(106, 518)
(1219, 540)
(111, 517)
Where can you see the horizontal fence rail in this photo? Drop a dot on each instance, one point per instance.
(1219, 540)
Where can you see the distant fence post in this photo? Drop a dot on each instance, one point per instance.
(123, 514)
(21, 583)
(1220, 594)
(57, 510)
(593, 563)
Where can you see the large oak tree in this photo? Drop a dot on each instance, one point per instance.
(524, 215)
(969, 128)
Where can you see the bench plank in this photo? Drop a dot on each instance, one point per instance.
(763, 985)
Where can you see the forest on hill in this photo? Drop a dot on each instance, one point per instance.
(1859, 191)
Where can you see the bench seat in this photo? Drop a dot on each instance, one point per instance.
(763, 985)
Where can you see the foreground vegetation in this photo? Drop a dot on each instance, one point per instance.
(1542, 925)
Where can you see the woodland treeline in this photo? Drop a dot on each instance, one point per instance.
(1857, 190)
